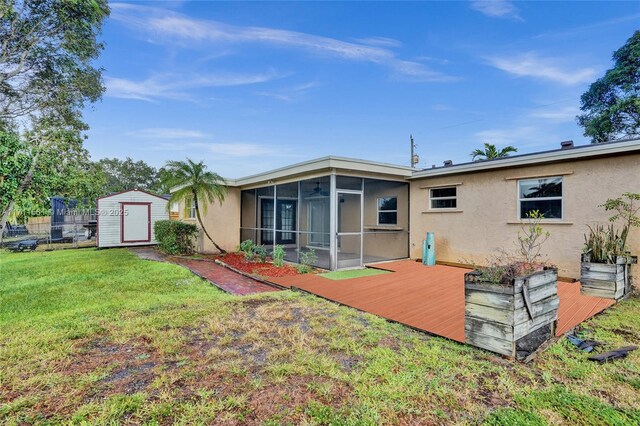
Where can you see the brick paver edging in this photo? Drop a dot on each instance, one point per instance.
(226, 279)
(251, 276)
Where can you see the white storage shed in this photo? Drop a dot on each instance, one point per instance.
(128, 218)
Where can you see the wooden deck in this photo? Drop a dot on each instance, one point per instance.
(429, 298)
(575, 307)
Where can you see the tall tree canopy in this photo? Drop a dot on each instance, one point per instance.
(490, 152)
(612, 104)
(47, 76)
(46, 61)
(127, 174)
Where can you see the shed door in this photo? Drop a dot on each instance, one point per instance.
(135, 223)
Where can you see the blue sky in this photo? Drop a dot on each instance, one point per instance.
(248, 87)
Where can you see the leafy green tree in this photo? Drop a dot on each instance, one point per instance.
(627, 210)
(64, 170)
(611, 106)
(490, 152)
(162, 184)
(14, 164)
(48, 47)
(122, 175)
(47, 76)
(194, 182)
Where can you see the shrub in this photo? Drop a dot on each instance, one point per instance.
(531, 238)
(278, 256)
(175, 237)
(253, 251)
(307, 259)
(247, 247)
(260, 253)
(604, 245)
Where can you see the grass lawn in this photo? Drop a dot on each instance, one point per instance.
(101, 337)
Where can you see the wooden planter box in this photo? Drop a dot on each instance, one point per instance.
(511, 319)
(608, 280)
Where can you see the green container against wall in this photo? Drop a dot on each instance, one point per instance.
(429, 250)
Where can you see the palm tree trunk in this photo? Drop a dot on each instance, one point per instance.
(220, 249)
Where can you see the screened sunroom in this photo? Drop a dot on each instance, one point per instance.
(339, 221)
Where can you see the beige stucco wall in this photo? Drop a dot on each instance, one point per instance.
(392, 244)
(222, 222)
(486, 220)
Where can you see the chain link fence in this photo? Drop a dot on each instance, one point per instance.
(68, 228)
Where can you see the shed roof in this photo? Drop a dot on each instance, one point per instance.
(162, 197)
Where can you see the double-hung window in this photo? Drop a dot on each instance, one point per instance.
(190, 208)
(443, 198)
(544, 195)
(388, 211)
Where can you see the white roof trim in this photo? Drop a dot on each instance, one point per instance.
(325, 163)
(584, 151)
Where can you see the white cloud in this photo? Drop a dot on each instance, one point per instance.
(414, 71)
(519, 136)
(496, 8)
(167, 133)
(289, 94)
(531, 65)
(128, 89)
(379, 41)
(239, 149)
(564, 33)
(224, 149)
(559, 115)
(170, 86)
(440, 61)
(168, 26)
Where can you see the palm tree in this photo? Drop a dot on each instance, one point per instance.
(195, 183)
(490, 152)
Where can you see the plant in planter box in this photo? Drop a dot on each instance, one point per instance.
(511, 304)
(606, 261)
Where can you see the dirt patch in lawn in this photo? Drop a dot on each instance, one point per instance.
(279, 399)
(128, 368)
(102, 368)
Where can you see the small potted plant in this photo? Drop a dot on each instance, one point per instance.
(511, 305)
(605, 270)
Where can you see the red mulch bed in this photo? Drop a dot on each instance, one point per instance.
(238, 261)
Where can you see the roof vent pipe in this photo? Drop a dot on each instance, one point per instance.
(448, 163)
(566, 144)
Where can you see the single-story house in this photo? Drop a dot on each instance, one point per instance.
(352, 212)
